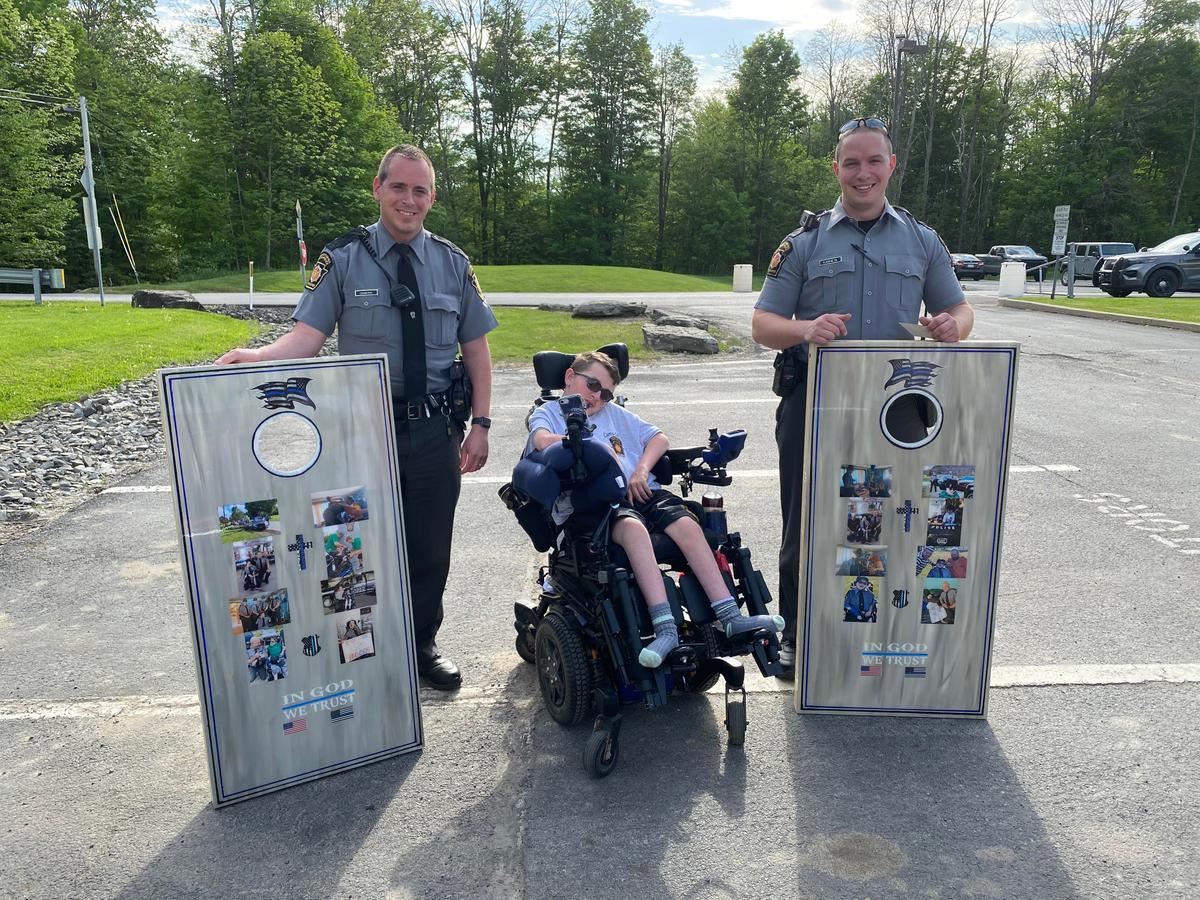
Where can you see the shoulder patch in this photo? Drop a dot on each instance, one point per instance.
(319, 270)
(452, 246)
(781, 253)
(474, 279)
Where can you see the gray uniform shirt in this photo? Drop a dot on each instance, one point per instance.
(880, 278)
(349, 287)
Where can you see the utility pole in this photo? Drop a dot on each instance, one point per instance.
(91, 219)
(904, 44)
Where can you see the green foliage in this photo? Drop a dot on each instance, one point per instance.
(524, 332)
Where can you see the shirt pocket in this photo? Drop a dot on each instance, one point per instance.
(364, 319)
(441, 320)
(905, 282)
(830, 286)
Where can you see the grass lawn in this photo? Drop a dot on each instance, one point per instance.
(1181, 309)
(501, 279)
(58, 352)
(523, 332)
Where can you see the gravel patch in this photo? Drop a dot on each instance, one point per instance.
(67, 452)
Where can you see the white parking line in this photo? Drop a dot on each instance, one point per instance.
(1003, 677)
(139, 489)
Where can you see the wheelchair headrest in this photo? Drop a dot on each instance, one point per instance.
(550, 366)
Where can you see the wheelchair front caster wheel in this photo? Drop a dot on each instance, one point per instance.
(525, 647)
(735, 723)
(600, 753)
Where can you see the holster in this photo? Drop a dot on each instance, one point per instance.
(458, 396)
(788, 371)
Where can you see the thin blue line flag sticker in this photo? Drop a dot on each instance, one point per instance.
(345, 714)
(284, 394)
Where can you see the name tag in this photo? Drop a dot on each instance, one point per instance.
(367, 292)
(830, 261)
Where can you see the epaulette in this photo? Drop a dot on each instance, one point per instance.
(450, 244)
(358, 233)
(901, 209)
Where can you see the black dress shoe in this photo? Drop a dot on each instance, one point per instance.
(440, 673)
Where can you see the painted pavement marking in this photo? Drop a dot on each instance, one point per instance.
(1155, 524)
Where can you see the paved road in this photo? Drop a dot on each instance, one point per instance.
(1081, 784)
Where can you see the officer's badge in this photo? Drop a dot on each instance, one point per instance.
(474, 280)
(319, 270)
(780, 255)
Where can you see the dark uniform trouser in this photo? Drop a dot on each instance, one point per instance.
(789, 437)
(427, 451)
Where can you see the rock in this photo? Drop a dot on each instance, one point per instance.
(165, 300)
(83, 410)
(682, 321)
(609, 310)
(675, 339)
(558, 307)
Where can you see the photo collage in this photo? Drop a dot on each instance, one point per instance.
(260, 605)
(941, 565)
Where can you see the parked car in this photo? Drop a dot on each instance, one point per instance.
(1003, 253)
(1088, 255)
(1159, 271)
(966, 265)
(259, 523)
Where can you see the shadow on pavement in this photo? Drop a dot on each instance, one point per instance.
(914, 807)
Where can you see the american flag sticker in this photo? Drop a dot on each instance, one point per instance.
(914, 671)
(876, 669)
(342, 715)
(295, 726)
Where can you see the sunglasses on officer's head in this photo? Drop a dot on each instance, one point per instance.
(595, 386)
(855, 124)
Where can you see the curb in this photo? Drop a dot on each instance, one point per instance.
(1095, 314)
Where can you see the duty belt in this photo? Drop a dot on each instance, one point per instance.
(421, 408)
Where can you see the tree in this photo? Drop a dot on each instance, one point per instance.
(769, 112)
(605, 135)
(675, 89)
(39, 147)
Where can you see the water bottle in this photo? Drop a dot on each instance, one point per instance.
(713, 505)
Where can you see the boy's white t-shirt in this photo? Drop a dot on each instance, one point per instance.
(624, 433)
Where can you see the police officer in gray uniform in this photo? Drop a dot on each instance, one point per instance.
(395, 288)
(857, 271)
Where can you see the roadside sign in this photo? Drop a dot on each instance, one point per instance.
(1062, 217)
(906, 465)
(303, 254)
(1062, 214)
(287, 503)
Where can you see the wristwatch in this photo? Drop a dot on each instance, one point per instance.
(483, 421)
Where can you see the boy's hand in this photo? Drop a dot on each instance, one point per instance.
(639, 486)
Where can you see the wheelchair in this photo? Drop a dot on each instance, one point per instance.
(589, 624)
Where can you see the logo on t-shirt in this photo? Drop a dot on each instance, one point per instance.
(618, 447)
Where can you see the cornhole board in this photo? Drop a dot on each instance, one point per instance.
(905, 472)
(288, 511)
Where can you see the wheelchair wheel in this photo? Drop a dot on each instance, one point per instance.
(564, 671)
(702, 634)
(735, 723)
(600, 754)
(526, 647)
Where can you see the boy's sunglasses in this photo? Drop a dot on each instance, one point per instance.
(855, 124)
(596, 387)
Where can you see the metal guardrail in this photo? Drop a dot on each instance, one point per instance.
(54, 279)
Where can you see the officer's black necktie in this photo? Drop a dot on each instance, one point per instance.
(412, 329)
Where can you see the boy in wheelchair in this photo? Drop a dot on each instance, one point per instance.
(647, 508)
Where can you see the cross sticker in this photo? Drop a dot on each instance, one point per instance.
(907, 511)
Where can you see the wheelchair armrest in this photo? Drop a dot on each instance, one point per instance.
(681, 457)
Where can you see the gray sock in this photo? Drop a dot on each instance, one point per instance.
(666, 636)
(735, 623)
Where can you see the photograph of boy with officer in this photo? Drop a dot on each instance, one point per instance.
(396, 288)
(859, 271)
(866, 481)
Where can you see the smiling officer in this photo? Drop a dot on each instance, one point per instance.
(856, 271)
(395, 288)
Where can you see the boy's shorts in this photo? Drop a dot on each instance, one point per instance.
(656, 513)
